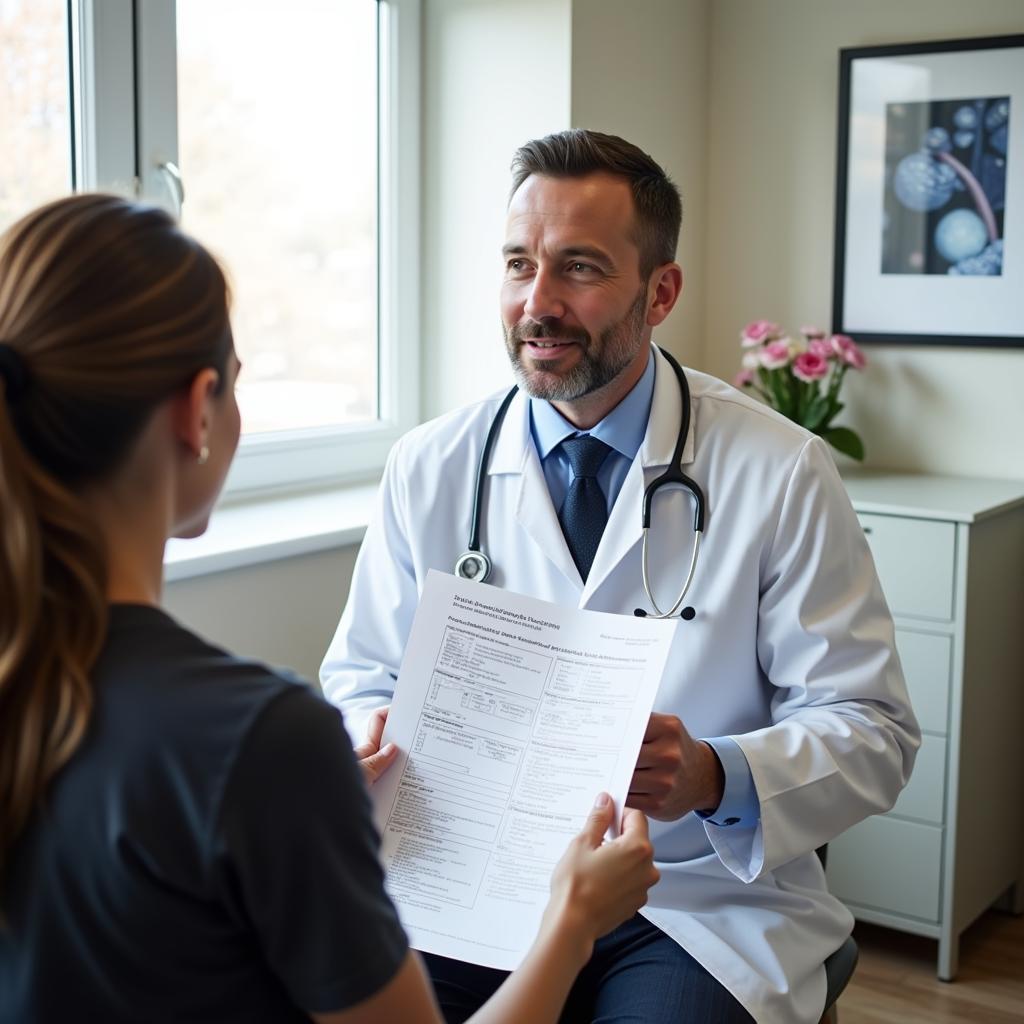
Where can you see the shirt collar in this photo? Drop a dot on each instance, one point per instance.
(622, 429)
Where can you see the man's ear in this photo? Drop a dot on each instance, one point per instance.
(664, 287)
(191, 410)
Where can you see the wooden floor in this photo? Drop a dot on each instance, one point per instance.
(895, 979)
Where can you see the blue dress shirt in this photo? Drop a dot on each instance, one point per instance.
(623, 430)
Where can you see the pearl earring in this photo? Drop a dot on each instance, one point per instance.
(204, 454)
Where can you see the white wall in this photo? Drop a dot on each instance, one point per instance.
(495, 74)
(771, 182)
(640, 70)
(282, 612)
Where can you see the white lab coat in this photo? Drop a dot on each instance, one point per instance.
(791, 651)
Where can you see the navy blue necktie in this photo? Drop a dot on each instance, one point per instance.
(585, 512)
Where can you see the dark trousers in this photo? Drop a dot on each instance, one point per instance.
(637, 973)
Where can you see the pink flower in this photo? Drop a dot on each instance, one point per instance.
(750, 360)
(846, 351)
(743, 379)
(758, 332)
(820, 347)
(810, 332)
(810, 366)
(775, 354)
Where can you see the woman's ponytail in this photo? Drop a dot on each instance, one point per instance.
(106, 310)
(52, 582)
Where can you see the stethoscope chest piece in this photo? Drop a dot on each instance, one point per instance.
(473, 565)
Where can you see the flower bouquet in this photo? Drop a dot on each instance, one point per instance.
(802, 379)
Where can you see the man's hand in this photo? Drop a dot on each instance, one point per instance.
(374, 761)
(675, 774)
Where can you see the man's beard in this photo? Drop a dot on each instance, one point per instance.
(599, 363)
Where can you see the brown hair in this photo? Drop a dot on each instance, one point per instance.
(106, 310)
(577, 152)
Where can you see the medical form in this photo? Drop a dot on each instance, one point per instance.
(511, 715)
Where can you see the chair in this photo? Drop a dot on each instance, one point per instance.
(839, 967)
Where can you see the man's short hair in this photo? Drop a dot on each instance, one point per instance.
(577, 152)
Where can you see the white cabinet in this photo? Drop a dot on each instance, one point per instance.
(950, 555)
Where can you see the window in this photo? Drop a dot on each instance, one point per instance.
(285, 136)
(277, 146)
(35, 114)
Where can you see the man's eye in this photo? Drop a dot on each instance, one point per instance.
(516, 266)
(582, 268)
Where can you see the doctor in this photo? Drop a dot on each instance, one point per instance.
(783, 718)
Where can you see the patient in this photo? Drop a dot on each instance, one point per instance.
(184, 835)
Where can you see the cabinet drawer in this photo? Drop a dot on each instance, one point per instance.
(887, 864)
(927, 664)
(915, 559)
(925, 794)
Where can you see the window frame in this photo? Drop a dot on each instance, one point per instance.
(102, 95)
(124, 59)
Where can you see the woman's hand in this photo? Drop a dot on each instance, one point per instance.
(597, 885)
(594, 888)
(372, 759)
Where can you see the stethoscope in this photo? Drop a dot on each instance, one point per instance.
(474, 564)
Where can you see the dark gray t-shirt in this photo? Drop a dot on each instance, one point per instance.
(208, 853)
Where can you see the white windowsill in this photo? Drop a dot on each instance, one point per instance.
(273, 527)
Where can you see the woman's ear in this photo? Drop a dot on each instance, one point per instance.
(192, 411)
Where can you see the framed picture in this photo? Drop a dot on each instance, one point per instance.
(929, 242)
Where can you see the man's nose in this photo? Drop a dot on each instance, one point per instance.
(544, 300)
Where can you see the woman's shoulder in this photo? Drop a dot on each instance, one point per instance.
(149, 651)
(179, 718)
(161, 687)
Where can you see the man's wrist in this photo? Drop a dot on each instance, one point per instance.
(739, 804)
(714, 773)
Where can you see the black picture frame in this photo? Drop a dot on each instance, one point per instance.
(929, 239)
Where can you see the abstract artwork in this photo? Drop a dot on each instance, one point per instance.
(945, 186)
(929, 218)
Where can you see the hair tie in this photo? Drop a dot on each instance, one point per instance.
(14, 373)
